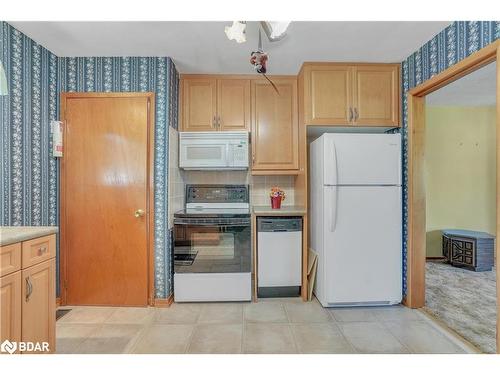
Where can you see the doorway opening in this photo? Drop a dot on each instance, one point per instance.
(417, 197)
(460, 179)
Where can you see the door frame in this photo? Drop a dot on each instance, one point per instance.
(149, 190)
(415, 297)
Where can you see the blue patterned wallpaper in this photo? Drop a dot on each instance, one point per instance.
(28, 172)
(29, 175)
(451, 45)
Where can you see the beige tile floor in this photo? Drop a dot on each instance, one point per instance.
(268, 326)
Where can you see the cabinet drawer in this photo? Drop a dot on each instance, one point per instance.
(38, 250)
(10, 258)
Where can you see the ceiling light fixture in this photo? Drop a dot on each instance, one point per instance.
(275, 30)
(236, 31)
(3, 81)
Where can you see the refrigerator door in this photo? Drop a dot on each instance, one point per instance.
(362, 246)
(362, 159)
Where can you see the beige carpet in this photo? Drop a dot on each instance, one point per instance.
(464, 300)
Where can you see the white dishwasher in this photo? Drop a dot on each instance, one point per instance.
(279, 256)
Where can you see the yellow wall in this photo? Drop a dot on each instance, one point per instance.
(460, 171)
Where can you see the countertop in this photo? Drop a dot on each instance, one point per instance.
(283, 211)
(10, 235)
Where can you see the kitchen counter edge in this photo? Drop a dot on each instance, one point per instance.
(10, 235)
(283, 211)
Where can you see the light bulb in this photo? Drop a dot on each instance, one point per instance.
(236, 31)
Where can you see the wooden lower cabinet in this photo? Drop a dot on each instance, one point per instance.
(10, 307)
(38, 299)
(28, 294)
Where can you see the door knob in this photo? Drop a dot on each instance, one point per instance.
(139, 213)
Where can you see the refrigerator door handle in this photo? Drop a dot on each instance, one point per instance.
(331, 169)
(333, 211)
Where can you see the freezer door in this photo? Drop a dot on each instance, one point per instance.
(362, 159)
(362, 245)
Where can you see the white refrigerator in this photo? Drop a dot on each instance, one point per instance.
(356, 218)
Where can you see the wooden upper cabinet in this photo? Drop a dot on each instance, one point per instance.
(376, 100)
(329, 95)
(233, 104)
(213, 104)
(274, 125)
(351, 94)
(199, 104)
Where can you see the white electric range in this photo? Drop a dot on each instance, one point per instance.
(212, 245)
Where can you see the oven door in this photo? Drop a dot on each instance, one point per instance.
(215, 245)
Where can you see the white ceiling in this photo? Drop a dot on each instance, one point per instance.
(475, 89)
(202, 47)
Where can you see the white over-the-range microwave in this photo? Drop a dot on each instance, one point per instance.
(213, 150)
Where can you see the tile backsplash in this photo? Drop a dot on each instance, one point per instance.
(259, 185)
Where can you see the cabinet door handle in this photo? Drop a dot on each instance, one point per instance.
(214, 122)
(356, 114)
(218, 122)
(350, 114)
(42, 250)
(29, 288)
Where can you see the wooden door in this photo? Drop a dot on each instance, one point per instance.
(328, 95)
(10, 307)
(199, 104)
(39, 303)
(274, 125)
(233, 104)
(376, 95)
(106, 199)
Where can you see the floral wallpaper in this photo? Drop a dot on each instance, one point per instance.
(451, 45)
(29, 174)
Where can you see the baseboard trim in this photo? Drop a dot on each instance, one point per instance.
(58, 301)
(164, 302)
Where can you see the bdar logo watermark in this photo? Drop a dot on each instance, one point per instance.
(8, 347)
(23, 346)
